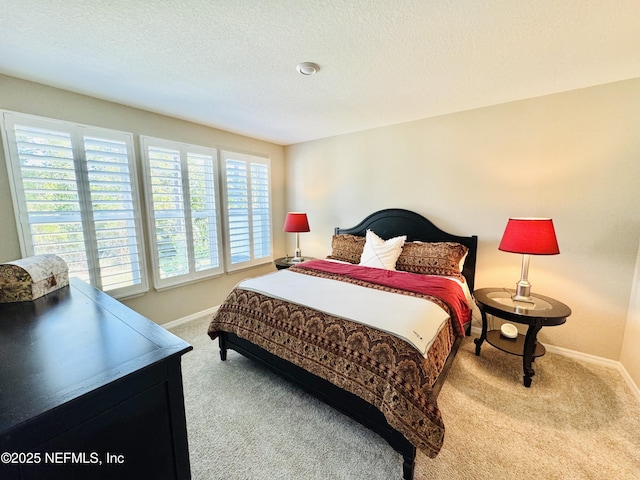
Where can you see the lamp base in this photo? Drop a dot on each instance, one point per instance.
(523, 292)
(297, 256)
(520, 298)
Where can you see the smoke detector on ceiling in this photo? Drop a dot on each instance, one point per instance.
(307, 68)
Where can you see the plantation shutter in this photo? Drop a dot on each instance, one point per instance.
(247, 210)
(184, 220)
(205, 217)
(75, 194)
(114, 213)
(261, 210)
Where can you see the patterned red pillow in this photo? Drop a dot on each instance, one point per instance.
(432, 258)
(347, 248)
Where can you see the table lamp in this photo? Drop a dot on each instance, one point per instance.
(528, 236)
(296, 222)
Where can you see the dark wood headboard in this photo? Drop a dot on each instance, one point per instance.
(392, 222)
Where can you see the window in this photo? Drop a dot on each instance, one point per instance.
(75, 195)
(184, 219)
(247, 210)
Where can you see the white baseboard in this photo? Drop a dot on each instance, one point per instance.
(632, 385)
(585, 357)
(190, 318)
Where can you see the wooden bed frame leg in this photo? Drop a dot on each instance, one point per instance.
(222, 342)
(408, 465)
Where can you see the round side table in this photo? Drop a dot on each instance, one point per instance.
(286, 262)
(544, 312)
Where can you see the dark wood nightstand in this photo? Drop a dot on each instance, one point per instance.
(545, 312)
(286, 262)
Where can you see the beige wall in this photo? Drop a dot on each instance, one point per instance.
(573, 156)
(36, 99)
(630, 356)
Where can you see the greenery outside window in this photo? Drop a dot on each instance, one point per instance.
(75, 195)
(184, 219)
(246, 194)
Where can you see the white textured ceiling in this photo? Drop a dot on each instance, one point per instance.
(231, 63)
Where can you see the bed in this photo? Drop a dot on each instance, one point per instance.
(387, 381)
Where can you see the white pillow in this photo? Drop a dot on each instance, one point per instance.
(379, 253)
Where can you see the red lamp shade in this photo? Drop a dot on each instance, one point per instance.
(531, 236)
(296, 222)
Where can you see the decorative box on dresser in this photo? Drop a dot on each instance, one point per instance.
(89, 389)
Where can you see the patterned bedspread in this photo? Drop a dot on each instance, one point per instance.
(380, 368)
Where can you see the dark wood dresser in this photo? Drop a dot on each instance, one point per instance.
(89, 389)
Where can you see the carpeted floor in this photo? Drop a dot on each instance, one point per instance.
(577, 421)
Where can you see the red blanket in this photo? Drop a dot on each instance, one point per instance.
(443, 288)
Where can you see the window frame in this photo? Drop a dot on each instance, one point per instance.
(78, 133)
(185, 149)
(248, 159)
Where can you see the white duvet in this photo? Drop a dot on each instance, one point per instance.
(413, 319)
